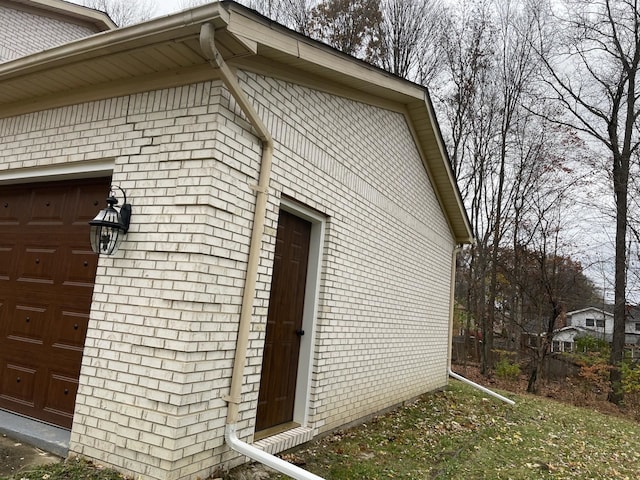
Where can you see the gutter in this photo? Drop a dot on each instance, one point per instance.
(112, 41)
(209, 50)
(451, 311)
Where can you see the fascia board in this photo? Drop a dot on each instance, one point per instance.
(88, 15)
(289, 47)
(156, 30)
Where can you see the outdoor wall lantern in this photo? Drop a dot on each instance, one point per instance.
(110, 225)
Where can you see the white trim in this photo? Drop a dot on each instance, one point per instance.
(310, 313)
(57, 172)
(589, 309)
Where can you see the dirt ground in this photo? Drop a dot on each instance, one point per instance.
(17, 456)
(574, 391)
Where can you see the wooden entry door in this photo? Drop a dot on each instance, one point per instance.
(284, 322)
(47, 273)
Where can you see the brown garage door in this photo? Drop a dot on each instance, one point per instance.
(47, 272)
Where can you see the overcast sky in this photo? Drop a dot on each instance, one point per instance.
(163, 7)
(167, 6)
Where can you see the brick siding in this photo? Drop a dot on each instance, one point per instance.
(161, 339)
(25, 32)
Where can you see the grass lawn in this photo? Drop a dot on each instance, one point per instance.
(462, 434)
(458, 434)
(74, 469)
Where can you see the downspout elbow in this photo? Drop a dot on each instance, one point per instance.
(211, 53)
(258, 455)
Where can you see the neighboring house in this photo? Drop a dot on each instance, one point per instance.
(597, 323)
(591, 318)
(324, 258)
(30, 26)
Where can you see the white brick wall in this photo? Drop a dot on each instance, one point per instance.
(158, 360)
(383, 322)
(23, 32)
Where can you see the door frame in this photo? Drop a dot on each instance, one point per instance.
(46, 173)
(310, 310)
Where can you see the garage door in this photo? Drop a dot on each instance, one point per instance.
(47, 272)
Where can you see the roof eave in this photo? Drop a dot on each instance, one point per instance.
(262, 36)
(246, 23)
(99, 19)
(106, 42)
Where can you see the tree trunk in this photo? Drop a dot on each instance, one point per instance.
(532, 386)
(621, 181)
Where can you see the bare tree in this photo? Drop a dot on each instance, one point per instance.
(490, 64)
(468, 103)
(593, 74)
(516, 66)
(408, 32)
(351, 26)
(295, 14)
(558, 284)
(298, 15)
(124, 12)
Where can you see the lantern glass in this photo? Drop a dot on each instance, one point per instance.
(106, 231)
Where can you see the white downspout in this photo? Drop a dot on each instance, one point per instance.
(481, 388)
(210, 51)
(451, 312)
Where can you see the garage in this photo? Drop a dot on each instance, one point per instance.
(47, 273)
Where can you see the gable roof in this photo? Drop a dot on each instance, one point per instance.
(165, 52)
(590, 309)
(629, 338)
(100, 20)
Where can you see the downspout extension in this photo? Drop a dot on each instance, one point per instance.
(207, 44)
(260, 456)
(481, 388)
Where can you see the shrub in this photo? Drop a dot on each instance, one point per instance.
(630, 377)
(507, 370)
(631, 387)
(592, 345)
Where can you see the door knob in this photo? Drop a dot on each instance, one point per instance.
(299, 332)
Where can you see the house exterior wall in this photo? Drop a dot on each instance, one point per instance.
(632, 326)
(579, 319)
(25, 31)
(161, 339)
(387, 253)
(563, 340)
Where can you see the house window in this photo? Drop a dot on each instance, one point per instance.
(637, 326)
(600, 323)
(555, 346)
(590, 322)
(567, 346)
